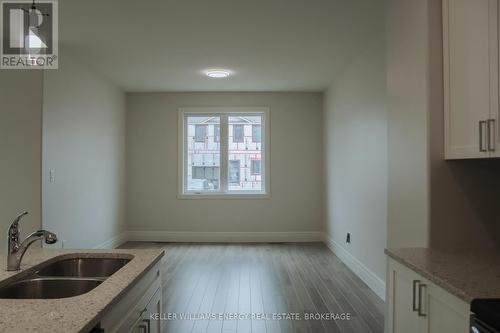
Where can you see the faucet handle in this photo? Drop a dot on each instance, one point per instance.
(14, 226)
(13, 235)
(19, 217)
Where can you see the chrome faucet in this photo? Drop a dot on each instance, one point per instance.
(16, 249)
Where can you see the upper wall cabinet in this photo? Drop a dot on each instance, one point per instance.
(471, 48)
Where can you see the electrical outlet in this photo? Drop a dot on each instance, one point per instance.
(348, 238)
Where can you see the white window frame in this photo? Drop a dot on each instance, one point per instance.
(223, 192)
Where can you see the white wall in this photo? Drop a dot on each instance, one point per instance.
(20, 149)
(296, 167)
(84, 143)
(355, 136)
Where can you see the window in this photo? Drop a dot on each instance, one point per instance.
(255, 167)
(216, 133)
(234, 172)
(238, 133)
(256, 133)
(200, 132)
(210, 173)
(203, 173)
(223, 166)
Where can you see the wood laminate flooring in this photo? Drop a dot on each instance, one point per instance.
(237, 288)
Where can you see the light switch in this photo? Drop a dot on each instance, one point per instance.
(52, 176)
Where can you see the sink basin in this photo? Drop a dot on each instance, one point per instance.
(63, 278)
(83, 267)
(48, 288)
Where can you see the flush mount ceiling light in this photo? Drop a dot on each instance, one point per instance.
(217, 73)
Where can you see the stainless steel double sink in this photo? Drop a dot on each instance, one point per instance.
(63, 278)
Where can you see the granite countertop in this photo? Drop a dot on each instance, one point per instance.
(73, 314)
(467, 274)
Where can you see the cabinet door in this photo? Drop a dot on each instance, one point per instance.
(494, 124)
(494, 128)
(154, 306)
(445, 312)
(144, 324)
(402, 300)
(132, 313)
(139, 326)
(470, 75)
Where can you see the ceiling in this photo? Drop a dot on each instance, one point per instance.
(269, 45)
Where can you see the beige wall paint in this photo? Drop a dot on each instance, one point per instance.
(20, 149)
(355, 140)
(84, 143)
(296, 166)
(407, 35)
(464, 206)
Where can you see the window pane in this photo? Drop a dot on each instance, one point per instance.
(216, 133)
(256, 133)
(200, 133)
(200, 172)
(203, 156)
(255, 167)
(234, 172)
(244, 153)
(238, 133)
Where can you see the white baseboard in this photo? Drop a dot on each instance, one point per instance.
(364, 273)
(224, 237)
(114, 241)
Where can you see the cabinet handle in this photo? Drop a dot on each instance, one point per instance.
(143, 328)
(146, 325)
(415, 283)
(420, 287)
(482, 123)
(491, 135)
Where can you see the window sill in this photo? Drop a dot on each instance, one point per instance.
(224, 196)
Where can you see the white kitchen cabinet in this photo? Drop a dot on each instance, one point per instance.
(143, 322)
(494, 125)
(402, 300)
(154, 306)
(139, 326)
(416, 305)
(470, 50)
(445, 312)
(132, 313)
